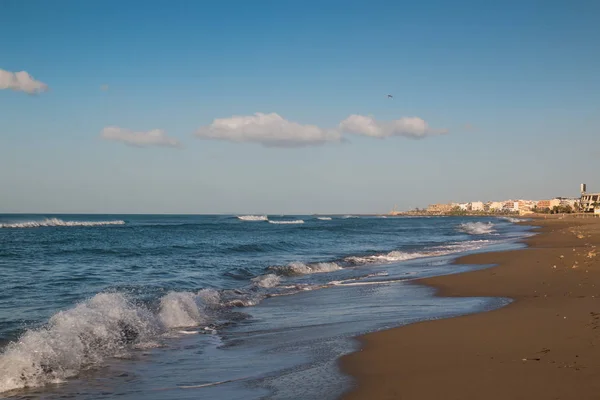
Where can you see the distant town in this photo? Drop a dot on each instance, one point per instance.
(586, 203)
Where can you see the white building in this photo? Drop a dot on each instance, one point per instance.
(477, 206)
(496, 205)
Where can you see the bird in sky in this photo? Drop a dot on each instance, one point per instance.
(389, 96)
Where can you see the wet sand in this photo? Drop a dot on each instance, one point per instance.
(544, 345)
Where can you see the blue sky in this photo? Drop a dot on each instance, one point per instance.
(513, 86)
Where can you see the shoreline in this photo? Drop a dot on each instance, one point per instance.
(543, 345)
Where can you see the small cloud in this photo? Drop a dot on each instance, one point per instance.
(411, 127)
(104, 88)
(21, 82)
(270, 130)
(155, 137)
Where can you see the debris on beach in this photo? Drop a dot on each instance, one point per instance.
(591, 254)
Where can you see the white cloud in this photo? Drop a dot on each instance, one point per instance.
(270, 130)
(21, 81)
(412, 127)
(155, 137)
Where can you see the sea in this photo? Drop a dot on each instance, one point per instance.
(218, 306)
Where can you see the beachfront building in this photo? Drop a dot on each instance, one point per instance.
(590, 202)
(543, 204)
(464, 206)
(477, 206)
(439, 208)
(527, 205)
(496, 205)
(510, 206)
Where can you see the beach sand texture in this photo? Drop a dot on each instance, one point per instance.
(544, 345)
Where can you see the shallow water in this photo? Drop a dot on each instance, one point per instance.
(162, 306)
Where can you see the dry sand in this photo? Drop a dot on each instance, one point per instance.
(544, 345)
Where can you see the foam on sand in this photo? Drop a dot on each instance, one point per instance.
(48, 222)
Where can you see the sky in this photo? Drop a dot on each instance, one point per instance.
(283, 107)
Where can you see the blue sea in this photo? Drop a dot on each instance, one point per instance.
(217, 306)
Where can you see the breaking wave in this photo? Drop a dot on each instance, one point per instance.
(58, 222)
(253, 217)
(324, 218)
(296, 221)
(511, 219)
(109, 325)
(392, 256)
(477, 228)
(266, 281)
(397, 256)
(298, 268)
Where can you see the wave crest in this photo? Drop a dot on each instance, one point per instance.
(296, 221)
(511, 219)
(253, 217)
(477, 228)
(105, 326)
(298, 268)
(58, 222)
(266, 281)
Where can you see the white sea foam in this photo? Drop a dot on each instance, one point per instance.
(511, 219)
(58, 222)
(392, 256)
(324, 218)
(349, 216)
(296, 221)
(266, 281)
(253, 217)
(298, 268)
(108, 325)
(477, 228)
(397, 256)
(105, 326)
(181, 310)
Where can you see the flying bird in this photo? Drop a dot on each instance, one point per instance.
(390, 96)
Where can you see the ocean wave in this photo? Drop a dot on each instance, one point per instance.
(299, 268)
(108, 325)
(58, 222)
(266, 281)
(186, 309)
(296, 221)
(392, 256)
(511, 219)
(350, 216)
(477, 228)
(397, 256)
(253, 217)
(325, 218)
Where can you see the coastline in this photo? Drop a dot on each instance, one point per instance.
(544, 345)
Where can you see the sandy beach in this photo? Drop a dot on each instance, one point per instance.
(544, 345)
